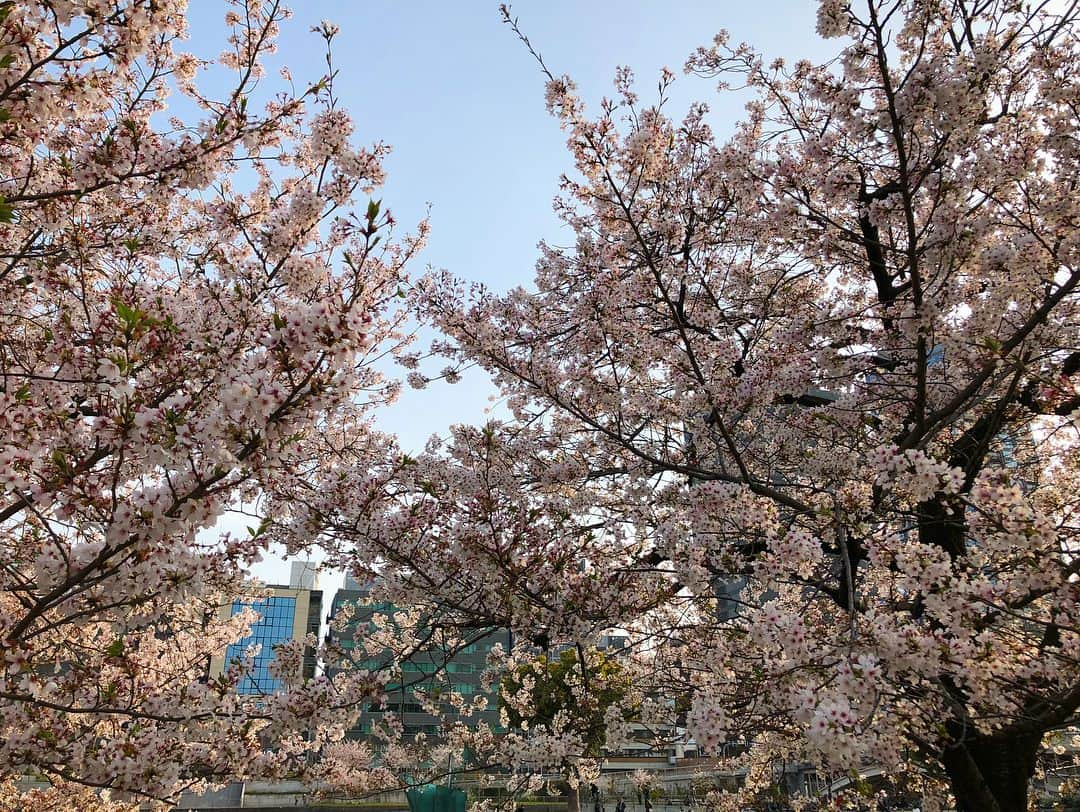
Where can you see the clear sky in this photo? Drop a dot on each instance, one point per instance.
(461, 102)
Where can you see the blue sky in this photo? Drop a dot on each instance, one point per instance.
(460, 100)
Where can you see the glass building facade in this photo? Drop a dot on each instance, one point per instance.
(431, 670)
(277, 617)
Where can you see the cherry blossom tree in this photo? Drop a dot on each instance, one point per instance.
(188, 312)
(798, 409)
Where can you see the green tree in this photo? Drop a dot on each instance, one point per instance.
(572, 693)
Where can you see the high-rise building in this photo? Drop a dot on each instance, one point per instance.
(285, 613)
(433, 670)
(352, 584)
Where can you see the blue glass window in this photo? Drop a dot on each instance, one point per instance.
(274, 626)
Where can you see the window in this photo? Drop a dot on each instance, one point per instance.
(274, 626)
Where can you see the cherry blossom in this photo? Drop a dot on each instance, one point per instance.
(176, 337)
(796, 409)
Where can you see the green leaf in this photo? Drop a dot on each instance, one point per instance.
(116, 647)
(123, 311)
(279, 323)
(22, 394)
(131, 317)
(60, 461)
(7, 60)
(255, 532)
(5, 115)
(7, 214)
(373, 209)
(6, 9)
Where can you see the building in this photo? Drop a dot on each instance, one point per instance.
(304, 575)
(285, 613)
(433, 671)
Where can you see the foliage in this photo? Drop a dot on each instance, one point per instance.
(189, 308)
(572, 692)
(801, 406)
(797, 409)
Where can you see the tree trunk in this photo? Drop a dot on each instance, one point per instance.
(992, 773)
(573, 799)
